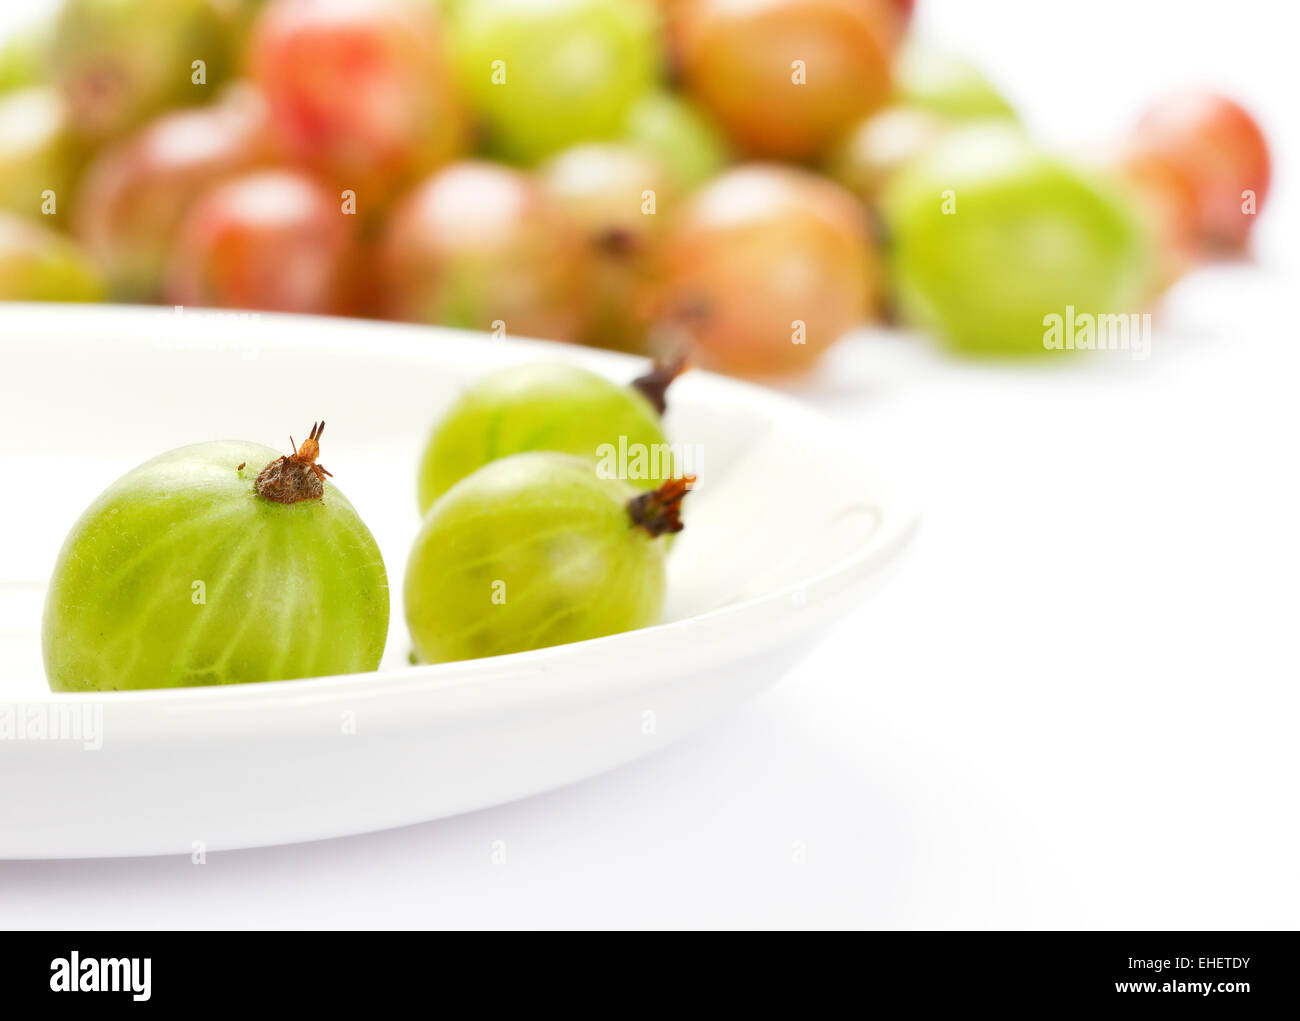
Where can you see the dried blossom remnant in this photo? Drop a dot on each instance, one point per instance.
(618, 242)
(654, 384)
(659, 511)
(296, 477)
(285, 480)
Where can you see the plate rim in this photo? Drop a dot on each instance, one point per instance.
(899, 520)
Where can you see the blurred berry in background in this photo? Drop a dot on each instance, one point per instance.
(746, 180)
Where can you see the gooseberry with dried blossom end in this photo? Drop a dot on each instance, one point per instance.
(537, 550)
(202, 567)
(552, 406)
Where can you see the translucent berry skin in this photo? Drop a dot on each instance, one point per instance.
(545, 406)
(1031, 235)
(679, 135)
(481, 246)
(756, 252)
(134, 195)
(738, 60)
(928, 77)
(1210, 150)
(878, 146)
(528, 552)
(286, 591)
(119, 62)
(37, 154)
(39, 264)
(544, 76)
(607, 190)
(359, 90)
(274, 240)
(25, 56)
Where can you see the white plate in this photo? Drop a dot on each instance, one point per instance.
(785, 528)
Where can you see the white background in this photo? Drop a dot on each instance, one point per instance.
(1075, 703)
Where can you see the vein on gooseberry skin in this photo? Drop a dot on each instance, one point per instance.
(290, 595)
(168, 548)
(221, 587)
(231, 643)
(146, 562)
(587, 610)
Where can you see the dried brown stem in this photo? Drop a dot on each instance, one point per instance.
(659, 511)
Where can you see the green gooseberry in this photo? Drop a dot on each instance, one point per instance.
(40, 264)
(558, 407)
(37, 154)
(929, 77)
(679, 135)
(990, 236)
(202, 567)
(544, 76)
(537, 550)
(24, 57)
(120, 62)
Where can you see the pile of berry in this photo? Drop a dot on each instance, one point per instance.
(744, 178)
